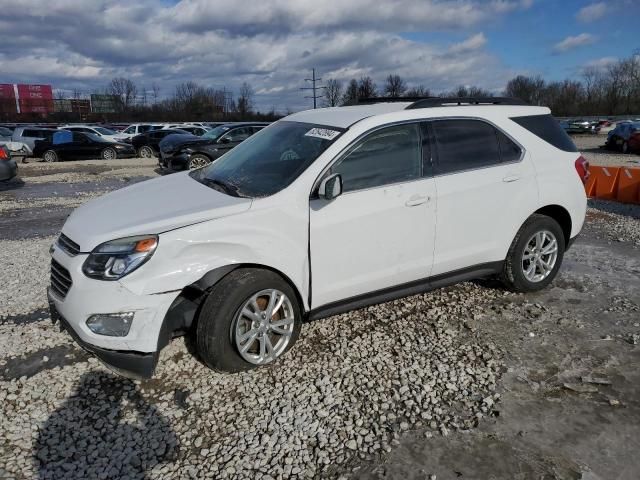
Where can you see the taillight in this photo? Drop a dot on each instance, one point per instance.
(582, 167)
(3, 154)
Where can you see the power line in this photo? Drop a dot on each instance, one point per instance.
(315, 87)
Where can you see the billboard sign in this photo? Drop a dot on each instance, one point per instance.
(104, 103)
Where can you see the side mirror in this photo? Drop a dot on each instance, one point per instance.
(330, 187)
(225, 140)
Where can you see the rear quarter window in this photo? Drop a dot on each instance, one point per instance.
(548, 129)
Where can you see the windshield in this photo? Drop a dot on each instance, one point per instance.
(96, 138)
(104, 131)
(214, 133)
(268, 161)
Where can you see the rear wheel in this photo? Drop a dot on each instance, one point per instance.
(250, 318)
(198, 161)
(625, 147)
(109, 154)
(535, 255)
(50, 156)
(145, 152)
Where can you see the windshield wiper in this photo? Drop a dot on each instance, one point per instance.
(221, 186)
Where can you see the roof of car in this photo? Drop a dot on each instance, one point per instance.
(344, 117)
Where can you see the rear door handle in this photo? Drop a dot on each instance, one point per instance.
(416, 200)
(511, 178)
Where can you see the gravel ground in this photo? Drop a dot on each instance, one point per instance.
(591, 148)
(453, 383)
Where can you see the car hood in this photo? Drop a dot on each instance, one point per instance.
(151, 206)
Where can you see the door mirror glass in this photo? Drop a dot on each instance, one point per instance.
(330, 187)
(225, 140)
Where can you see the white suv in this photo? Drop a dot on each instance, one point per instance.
(322, 212)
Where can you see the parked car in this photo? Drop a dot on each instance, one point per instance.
(138, 128)
(146, 144)
(321, 212)
(29, 135)
(16, 149)
(193, 129)
(624, 137)
(184, 153)
(83, 146)
(104, 133)
(8, 166)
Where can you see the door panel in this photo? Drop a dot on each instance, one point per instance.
(380, 232)
(483, 204)
(373, 239)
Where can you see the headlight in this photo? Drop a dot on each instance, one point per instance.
(117, 258)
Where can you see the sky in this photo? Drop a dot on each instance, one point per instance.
(273, 44)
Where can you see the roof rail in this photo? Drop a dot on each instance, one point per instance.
(372, 100)
(455, 101)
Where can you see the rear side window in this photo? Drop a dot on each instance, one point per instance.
(465, 145)
(509, 150)
(548, 129)
(30, 133)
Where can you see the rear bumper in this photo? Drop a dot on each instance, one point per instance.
(130, 364)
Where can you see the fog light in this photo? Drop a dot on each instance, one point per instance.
(111, 324)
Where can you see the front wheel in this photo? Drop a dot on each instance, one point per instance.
(108, 154)
(198, 161)
(250, 318)
(50, 156)
(535, 255)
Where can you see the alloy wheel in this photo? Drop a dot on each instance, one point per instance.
(198, 161)
(263, 326)
(540, 256)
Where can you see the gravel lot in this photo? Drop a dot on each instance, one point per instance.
(591, 148)
(466, 382)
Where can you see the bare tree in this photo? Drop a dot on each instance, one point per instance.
(529, 89)
(155, 92)
(419, 91)
(350, 96)
(244, 104)
(332, 92)
(395, 86)
(366, 88)
(125, 89)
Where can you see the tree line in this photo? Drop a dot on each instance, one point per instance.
(612, 90)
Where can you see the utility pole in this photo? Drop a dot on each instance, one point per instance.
(315, 88)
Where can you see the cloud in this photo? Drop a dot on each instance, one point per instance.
(600, 63)
(271, 44)
(570, 43)
(474, 42)
(592, 12)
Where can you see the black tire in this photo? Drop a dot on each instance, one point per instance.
(215, 331)
(50, 156)
(109, 154)
(513, 276)
(146, 152)
(198, 161)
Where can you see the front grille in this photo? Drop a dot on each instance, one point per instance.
(68, 245)
(60, 279)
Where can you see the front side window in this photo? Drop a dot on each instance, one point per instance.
(130, 130)
(386, 156)
(268, 161)
(465, 145)
(237, 134)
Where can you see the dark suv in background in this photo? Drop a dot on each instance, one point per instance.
(182, 152)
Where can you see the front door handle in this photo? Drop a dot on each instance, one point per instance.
(511, 178)
(416, 200)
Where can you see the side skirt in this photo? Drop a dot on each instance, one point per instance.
(406, 289)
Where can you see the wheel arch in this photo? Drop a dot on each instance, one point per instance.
(183, 312)
(560, 215)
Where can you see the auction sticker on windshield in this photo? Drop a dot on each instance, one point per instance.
(324, 133)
